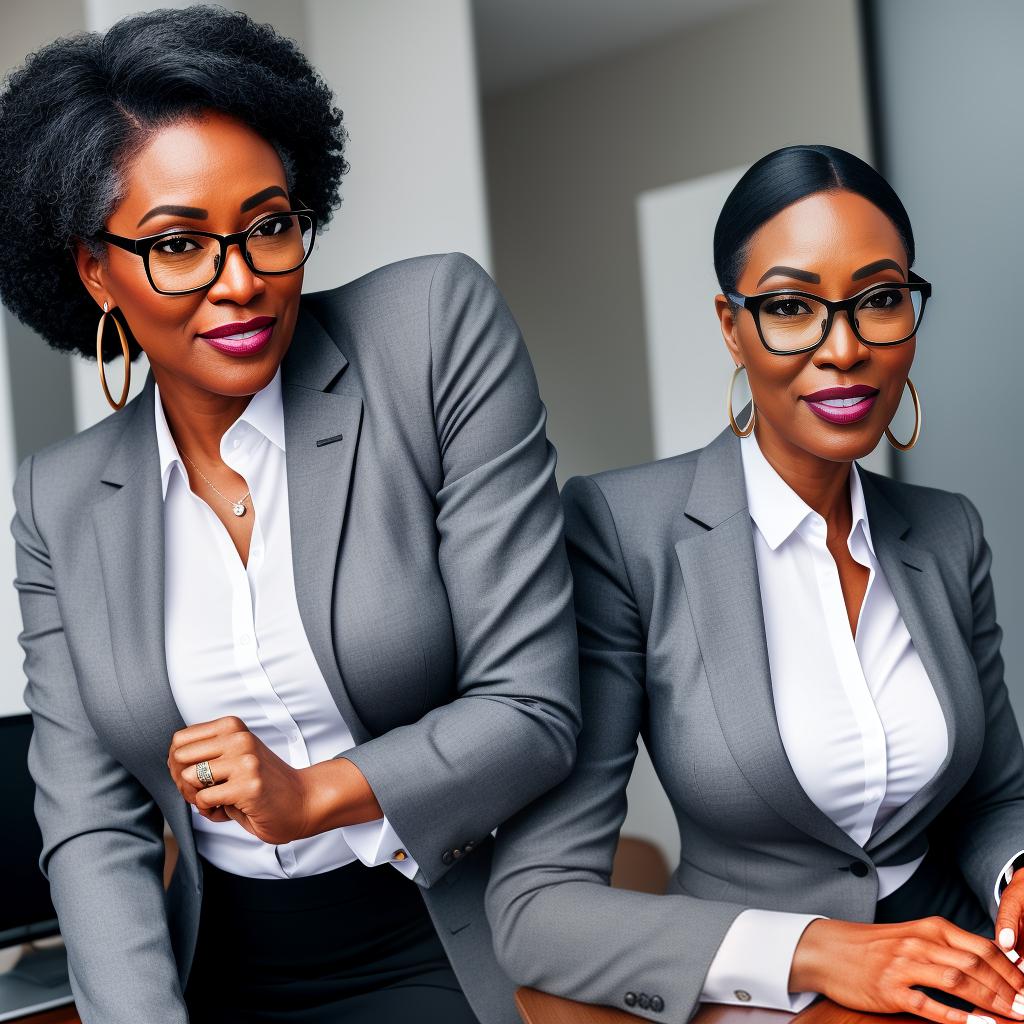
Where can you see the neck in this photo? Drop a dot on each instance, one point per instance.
(822, 483)
(197, 419)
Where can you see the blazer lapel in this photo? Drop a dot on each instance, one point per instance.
(321, 432)
(129, 529)
(916, 583)
(719, 567)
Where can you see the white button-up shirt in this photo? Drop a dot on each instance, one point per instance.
(235, 644)
(858, 716)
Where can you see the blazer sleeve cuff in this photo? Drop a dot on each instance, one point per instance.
(376, 842)
(752, 965)
(1006, 873)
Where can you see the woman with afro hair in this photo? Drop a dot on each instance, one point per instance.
(306, 596)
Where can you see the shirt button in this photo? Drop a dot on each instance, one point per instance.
(742, 994)
(235, 443)
(399, 855)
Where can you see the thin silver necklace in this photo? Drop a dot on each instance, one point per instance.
(238, 507)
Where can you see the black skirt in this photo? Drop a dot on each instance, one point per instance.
(349, 945)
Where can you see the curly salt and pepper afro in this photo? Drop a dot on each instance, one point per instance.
(73, 115)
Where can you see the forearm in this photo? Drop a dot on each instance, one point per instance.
(449, 779)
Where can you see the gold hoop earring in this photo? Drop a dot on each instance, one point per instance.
(736, 429)
(99, 358)
(917, 423)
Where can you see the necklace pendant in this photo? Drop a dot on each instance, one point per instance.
(239, 509)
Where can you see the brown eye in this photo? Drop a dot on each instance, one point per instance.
(787, 306)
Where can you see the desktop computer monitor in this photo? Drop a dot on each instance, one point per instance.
(25, 909)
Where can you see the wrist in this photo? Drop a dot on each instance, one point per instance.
(809, 966)
(337, 794)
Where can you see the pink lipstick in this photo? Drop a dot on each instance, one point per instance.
(842, 405)
(241, 339)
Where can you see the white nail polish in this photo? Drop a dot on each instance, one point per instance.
(1012, 955)
(1018, 1003)
(1007, 939)
(979, 1018)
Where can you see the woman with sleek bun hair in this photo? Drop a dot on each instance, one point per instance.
(306, 596)
(811, 654)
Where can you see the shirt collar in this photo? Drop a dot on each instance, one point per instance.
(778, 510)
(264, 413)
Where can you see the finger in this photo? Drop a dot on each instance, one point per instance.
(224, 726)
(218, 796)
(986, 949)
(200, 750)
(990, 970)
(1011, 905)
(922, 1004)
(222, 769)
(964, 979)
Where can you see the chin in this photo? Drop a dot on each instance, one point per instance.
(837, 445)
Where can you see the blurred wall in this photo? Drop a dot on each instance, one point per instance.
(567, 157)
(952, 146)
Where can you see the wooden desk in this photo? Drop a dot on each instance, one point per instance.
(540, 1008)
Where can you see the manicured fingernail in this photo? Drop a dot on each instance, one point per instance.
(1018, 1004)
(1012, 955)
(979, 1018)
(1007, 939)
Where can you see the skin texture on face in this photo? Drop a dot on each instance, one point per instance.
(212, 164)
(832, 235)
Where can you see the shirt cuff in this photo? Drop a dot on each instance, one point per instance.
(752, 965)
(376, 842)
(1004, 876)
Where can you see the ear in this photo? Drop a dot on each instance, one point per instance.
(727, 321)
(92, 272)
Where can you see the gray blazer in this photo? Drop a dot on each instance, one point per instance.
(673, 648)
(433, 584)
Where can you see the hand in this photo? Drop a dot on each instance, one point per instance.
(1008, 920)
(255, 787)
(871, 967)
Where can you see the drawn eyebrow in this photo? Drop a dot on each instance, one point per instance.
(273, 190)
(192, 212)
(198, 213)
(800, 275)
(873, 268)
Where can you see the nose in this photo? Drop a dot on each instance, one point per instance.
(842, 348)
(237, 282)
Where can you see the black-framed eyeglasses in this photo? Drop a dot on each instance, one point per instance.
(178, 262)
(790, 321)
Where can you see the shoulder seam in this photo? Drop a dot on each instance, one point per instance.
(618, 543)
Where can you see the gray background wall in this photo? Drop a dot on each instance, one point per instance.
(951, 84)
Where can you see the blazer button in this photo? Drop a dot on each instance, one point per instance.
(742, 994)
(456, 852)
(470, 845)
(447, 857)
(859, 868)
(630, 999)
(657, 1004)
